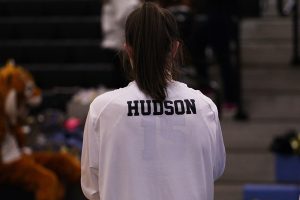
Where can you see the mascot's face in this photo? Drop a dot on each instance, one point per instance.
(19, 89)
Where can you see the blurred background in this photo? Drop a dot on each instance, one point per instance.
(254, 41)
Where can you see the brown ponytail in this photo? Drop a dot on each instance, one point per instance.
(151, 32)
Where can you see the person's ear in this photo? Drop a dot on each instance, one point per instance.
(175, 47)
(128, 50)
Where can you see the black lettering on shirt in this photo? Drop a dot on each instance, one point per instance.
(168, 107)
(190, 106)
(179, 107)
(132, 108)
(158, 108)
(148, 106)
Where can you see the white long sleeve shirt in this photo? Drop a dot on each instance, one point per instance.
(135, 148)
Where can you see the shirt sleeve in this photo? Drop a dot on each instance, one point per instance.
(90, 159)
(220, 153)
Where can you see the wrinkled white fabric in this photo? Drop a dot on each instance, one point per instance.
(151, 157)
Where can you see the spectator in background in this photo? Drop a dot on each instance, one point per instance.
(181, 9)
(213, 27)
(113, 18)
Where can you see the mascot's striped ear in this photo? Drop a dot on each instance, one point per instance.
(7, 71)
(10, 65)
(11, 62)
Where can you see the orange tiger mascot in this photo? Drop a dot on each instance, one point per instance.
(39, 172)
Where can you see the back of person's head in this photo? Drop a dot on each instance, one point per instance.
(152, 43)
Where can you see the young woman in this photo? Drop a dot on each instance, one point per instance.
(155, 139)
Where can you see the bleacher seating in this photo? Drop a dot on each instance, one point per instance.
(57, 40)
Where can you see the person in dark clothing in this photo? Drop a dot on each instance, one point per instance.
(213, 27)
